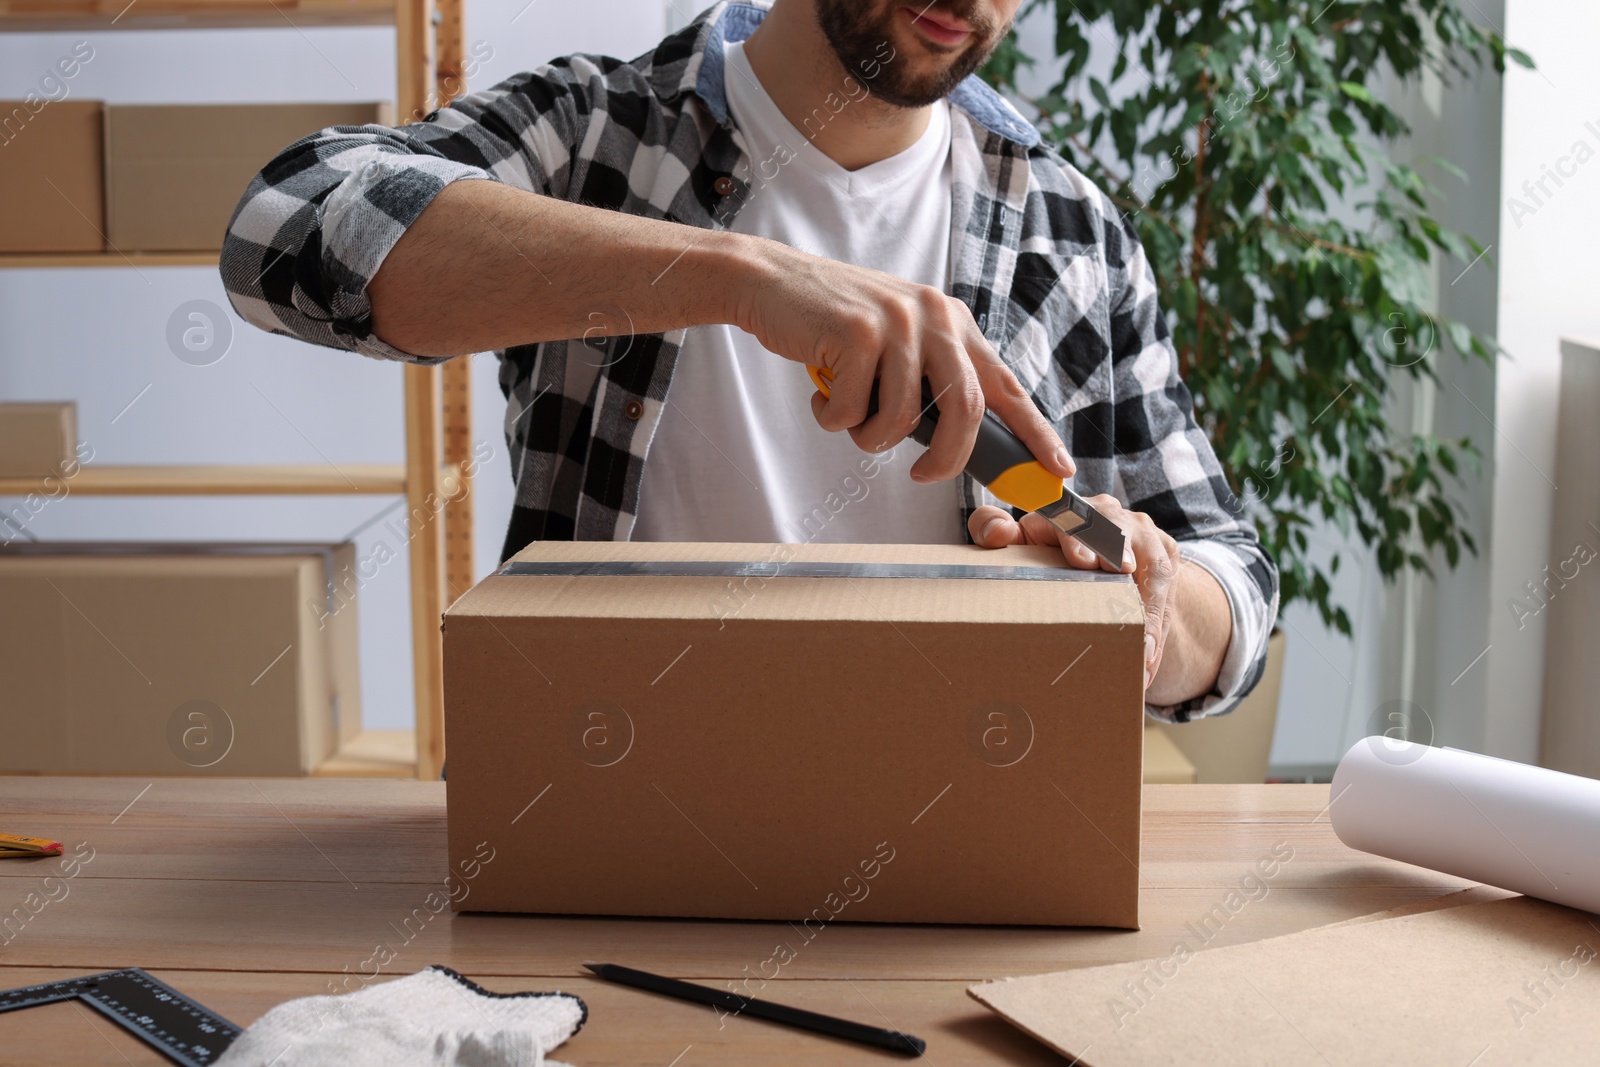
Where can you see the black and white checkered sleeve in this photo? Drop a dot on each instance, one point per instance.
(1168, 470)
(315, 225)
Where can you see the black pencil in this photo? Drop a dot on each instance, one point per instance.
(734, 1004)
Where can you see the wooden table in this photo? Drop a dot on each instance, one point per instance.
(244, 894)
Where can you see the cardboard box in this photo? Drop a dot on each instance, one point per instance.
(37, 439)
(752, 742)
(177, 659)
(50, 176)
(175, 173)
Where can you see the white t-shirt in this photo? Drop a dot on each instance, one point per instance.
(737, 455)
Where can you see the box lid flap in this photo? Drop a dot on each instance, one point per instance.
(765, 591)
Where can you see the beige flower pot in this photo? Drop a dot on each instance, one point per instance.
(1233, 747)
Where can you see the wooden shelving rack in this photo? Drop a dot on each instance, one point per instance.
(429, 47)
(69, 15)
(106, 259)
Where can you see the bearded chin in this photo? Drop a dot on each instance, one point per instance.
(857, 35)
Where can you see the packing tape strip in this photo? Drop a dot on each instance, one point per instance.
(799, 569)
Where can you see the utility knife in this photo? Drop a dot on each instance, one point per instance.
(1003, 464)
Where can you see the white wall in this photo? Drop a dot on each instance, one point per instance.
(1550, 287)
(98, 336)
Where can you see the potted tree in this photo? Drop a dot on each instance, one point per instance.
(1246, 142)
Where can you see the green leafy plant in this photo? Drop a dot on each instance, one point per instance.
(1248, 144)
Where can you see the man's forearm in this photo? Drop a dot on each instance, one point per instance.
(487, 266)
(1197, 643)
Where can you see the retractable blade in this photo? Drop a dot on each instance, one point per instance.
(1003, 464)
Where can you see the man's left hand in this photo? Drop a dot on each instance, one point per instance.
(1151, 557)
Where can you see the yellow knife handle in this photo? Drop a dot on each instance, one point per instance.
(999, 460)
(820, 377)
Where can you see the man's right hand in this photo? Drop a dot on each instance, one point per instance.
(863, 325)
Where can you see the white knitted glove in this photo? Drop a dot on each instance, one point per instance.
(434, 1017)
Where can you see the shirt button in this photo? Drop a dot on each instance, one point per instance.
(633, 410)
(724, 186)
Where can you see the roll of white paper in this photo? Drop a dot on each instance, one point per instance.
(1527, 829)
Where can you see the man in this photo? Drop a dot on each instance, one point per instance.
(655, 247)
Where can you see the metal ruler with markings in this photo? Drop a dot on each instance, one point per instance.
(185, 1032)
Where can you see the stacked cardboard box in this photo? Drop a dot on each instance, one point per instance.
(174, 174)
(177, 659)
(51, 176)
(85, 176)
(37, 439)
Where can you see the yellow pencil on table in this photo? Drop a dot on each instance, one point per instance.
(15, 846)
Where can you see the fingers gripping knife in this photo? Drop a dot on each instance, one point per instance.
(1002, 463)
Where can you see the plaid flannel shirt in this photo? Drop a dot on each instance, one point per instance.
(1054, 278)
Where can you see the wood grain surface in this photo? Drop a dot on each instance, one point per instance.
(247, 893)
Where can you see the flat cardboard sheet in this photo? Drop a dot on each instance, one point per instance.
(1497, 981)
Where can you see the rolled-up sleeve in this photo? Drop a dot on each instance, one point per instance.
(1167, 469)
(315, 225)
